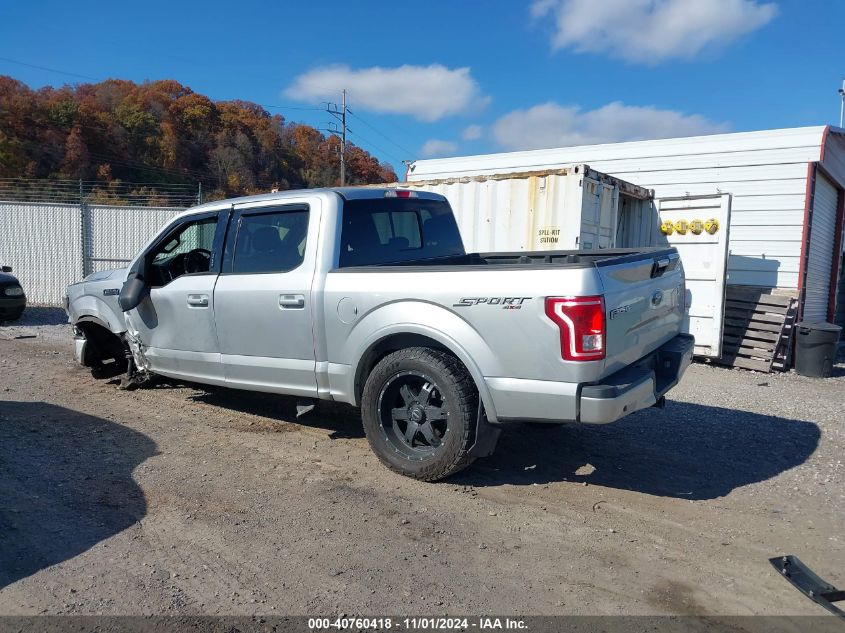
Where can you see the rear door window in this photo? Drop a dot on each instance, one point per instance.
(270, 242)
(391, 230)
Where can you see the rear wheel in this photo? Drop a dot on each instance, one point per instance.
(419, 408)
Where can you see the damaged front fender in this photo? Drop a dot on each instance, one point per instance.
(136, 347)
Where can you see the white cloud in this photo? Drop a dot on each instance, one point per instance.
(471, 133)
(427, 93)
(553, 125)
(436, 147)
(650, 31)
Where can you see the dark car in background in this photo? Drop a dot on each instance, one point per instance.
(12, 297)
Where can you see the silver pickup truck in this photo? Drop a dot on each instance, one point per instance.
(366, 296)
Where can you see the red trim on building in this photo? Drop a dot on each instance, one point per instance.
(809, 193)
(824, 141)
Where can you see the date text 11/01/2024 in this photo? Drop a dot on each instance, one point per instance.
(416, 624)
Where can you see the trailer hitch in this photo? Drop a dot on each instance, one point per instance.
(805, 581)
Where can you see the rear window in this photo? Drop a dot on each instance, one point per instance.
(392, 230)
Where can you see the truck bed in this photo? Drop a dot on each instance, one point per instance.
(521, 259)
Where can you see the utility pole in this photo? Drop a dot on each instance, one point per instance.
(842, 104)
(340, 114)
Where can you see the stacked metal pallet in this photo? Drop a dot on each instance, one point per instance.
(758, 329)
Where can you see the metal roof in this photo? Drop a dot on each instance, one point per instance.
(603, 155)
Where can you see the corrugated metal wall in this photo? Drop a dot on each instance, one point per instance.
(839, 318)
(820, 251)
(44, 242)
(765, 171)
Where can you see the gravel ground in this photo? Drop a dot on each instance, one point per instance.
(188, 500)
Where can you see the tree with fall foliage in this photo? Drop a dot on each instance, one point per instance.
(161, 132)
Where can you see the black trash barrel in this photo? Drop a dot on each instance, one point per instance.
(815, 348)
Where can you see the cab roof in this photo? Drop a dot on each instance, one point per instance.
(347, 193)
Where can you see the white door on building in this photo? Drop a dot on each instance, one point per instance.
(698, 227)
(820, 250)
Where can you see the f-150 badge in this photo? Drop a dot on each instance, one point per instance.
(620, 310)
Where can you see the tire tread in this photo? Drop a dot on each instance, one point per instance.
(462, 383)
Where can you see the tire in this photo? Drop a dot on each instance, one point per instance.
(13, 316)
(431, 390)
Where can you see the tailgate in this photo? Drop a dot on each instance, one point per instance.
(644, 303)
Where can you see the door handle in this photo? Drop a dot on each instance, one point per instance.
(291, 301)
(198, 301)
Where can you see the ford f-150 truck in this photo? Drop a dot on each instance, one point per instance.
(366, 296)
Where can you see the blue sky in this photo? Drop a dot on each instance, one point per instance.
(451, 78)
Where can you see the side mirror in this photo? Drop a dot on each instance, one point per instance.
(6, 269)
(132, 293)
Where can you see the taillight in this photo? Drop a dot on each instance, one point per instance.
(582, 326)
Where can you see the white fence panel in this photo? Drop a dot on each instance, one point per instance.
(43, 242)
(43, 245)
(116, 234)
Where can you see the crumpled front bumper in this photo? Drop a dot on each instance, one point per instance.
(79, 345)
(638, 386)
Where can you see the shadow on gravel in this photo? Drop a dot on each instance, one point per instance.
(65, 484)
(40, 315)
(688, 451)
(342, 420)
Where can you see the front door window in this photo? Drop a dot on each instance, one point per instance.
(189, 249)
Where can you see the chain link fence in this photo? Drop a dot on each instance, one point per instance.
(51, 245)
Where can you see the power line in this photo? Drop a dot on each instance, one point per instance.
(384, 136)
(391, 123)
(287, 107)
(136, 164)
(374, 146)
(49, 70)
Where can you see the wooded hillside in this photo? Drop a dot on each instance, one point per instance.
(163, 132)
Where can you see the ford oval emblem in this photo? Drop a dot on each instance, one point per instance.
(657, 298)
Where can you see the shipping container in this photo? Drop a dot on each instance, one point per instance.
(573, 207)
(787, 212)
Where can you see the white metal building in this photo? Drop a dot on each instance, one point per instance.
(787, 208)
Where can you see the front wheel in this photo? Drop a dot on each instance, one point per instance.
(419, 408)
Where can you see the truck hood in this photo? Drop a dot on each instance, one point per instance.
(102, 275)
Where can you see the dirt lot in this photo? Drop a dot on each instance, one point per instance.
(189, 500)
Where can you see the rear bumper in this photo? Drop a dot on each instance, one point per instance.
(638, 386)
(12, 306)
